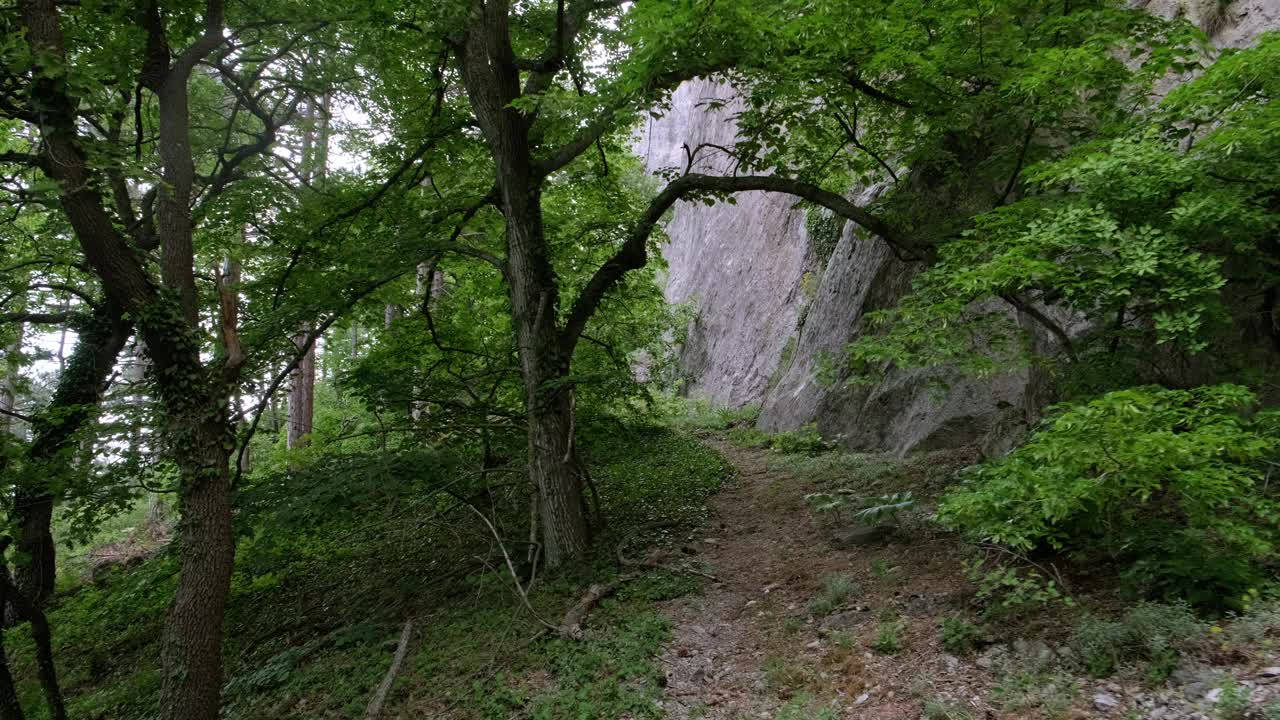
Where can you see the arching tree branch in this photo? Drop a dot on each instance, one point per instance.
(634, 251)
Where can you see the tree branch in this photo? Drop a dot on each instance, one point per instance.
(634, 251)
(35, 318)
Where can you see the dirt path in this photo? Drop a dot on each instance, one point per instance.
(762, 550)
(749, 647)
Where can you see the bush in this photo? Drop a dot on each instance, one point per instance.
(1007, 589)
(959, 636)
(1148, 632)
(888, 639)
(1162, 480)
(836, 591)
(805, 440)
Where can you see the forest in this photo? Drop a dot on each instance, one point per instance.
(574, 359)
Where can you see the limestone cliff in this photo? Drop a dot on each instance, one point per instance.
(770, 309)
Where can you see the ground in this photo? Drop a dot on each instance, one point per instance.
(760, 643)
(755, 604)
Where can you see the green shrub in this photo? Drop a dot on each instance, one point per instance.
(806, 440)
(1166, 481)
(1009, 589)
(959, 636)
(836, 591)
(749, 437)
(1148, 632)
(1233, 703)
(888, 638)
(840, 505)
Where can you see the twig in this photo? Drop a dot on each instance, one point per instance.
(515, 577)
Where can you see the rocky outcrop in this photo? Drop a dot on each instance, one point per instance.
(740, 266)
(771, 309)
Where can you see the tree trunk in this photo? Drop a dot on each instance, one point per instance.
(492, 81)
(194, 397)
(10, 708)
(554, 469)
(302, 390)
(74, 401)
(302, 393)
(9, 384)
(191, 647)
(553, 458)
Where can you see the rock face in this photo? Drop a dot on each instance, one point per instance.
(770, 310)
(740, 265)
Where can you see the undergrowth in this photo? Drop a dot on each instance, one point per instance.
(317, 604)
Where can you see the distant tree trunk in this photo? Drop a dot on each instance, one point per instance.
(302, 388)
(302, 395)
(9, 384)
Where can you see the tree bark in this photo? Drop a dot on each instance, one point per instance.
(10, 708)
(46, 668)
(302, 395)
(191, 649)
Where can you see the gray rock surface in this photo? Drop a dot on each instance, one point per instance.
(740, 265)
(769, 311)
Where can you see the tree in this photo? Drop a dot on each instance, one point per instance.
(100, 74)
(915, 89)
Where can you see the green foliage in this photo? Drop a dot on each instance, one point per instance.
(611, 676)
(806, 440)
(806, 707)
(749, 437)
(1050, 691)
(842, 504)
(837, 590)
(959, 636)
(1009, 589)
(1233, 702)
(888, 637)
(823, 228)
(1132, 231)
(1161, 479)
(1153, 634)
(669, 482)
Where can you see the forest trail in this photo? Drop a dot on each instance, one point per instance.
(749, 647)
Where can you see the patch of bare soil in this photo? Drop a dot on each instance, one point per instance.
(749, 647)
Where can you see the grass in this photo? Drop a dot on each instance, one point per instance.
(317, 605)
(888, 637)
(937, 709)
(836, 591)
(806, 707)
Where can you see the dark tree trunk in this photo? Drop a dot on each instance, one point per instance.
(80, 387)
(10, 708)
(191, 649)
(302, 395)
(46, 669)
(194, 397)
